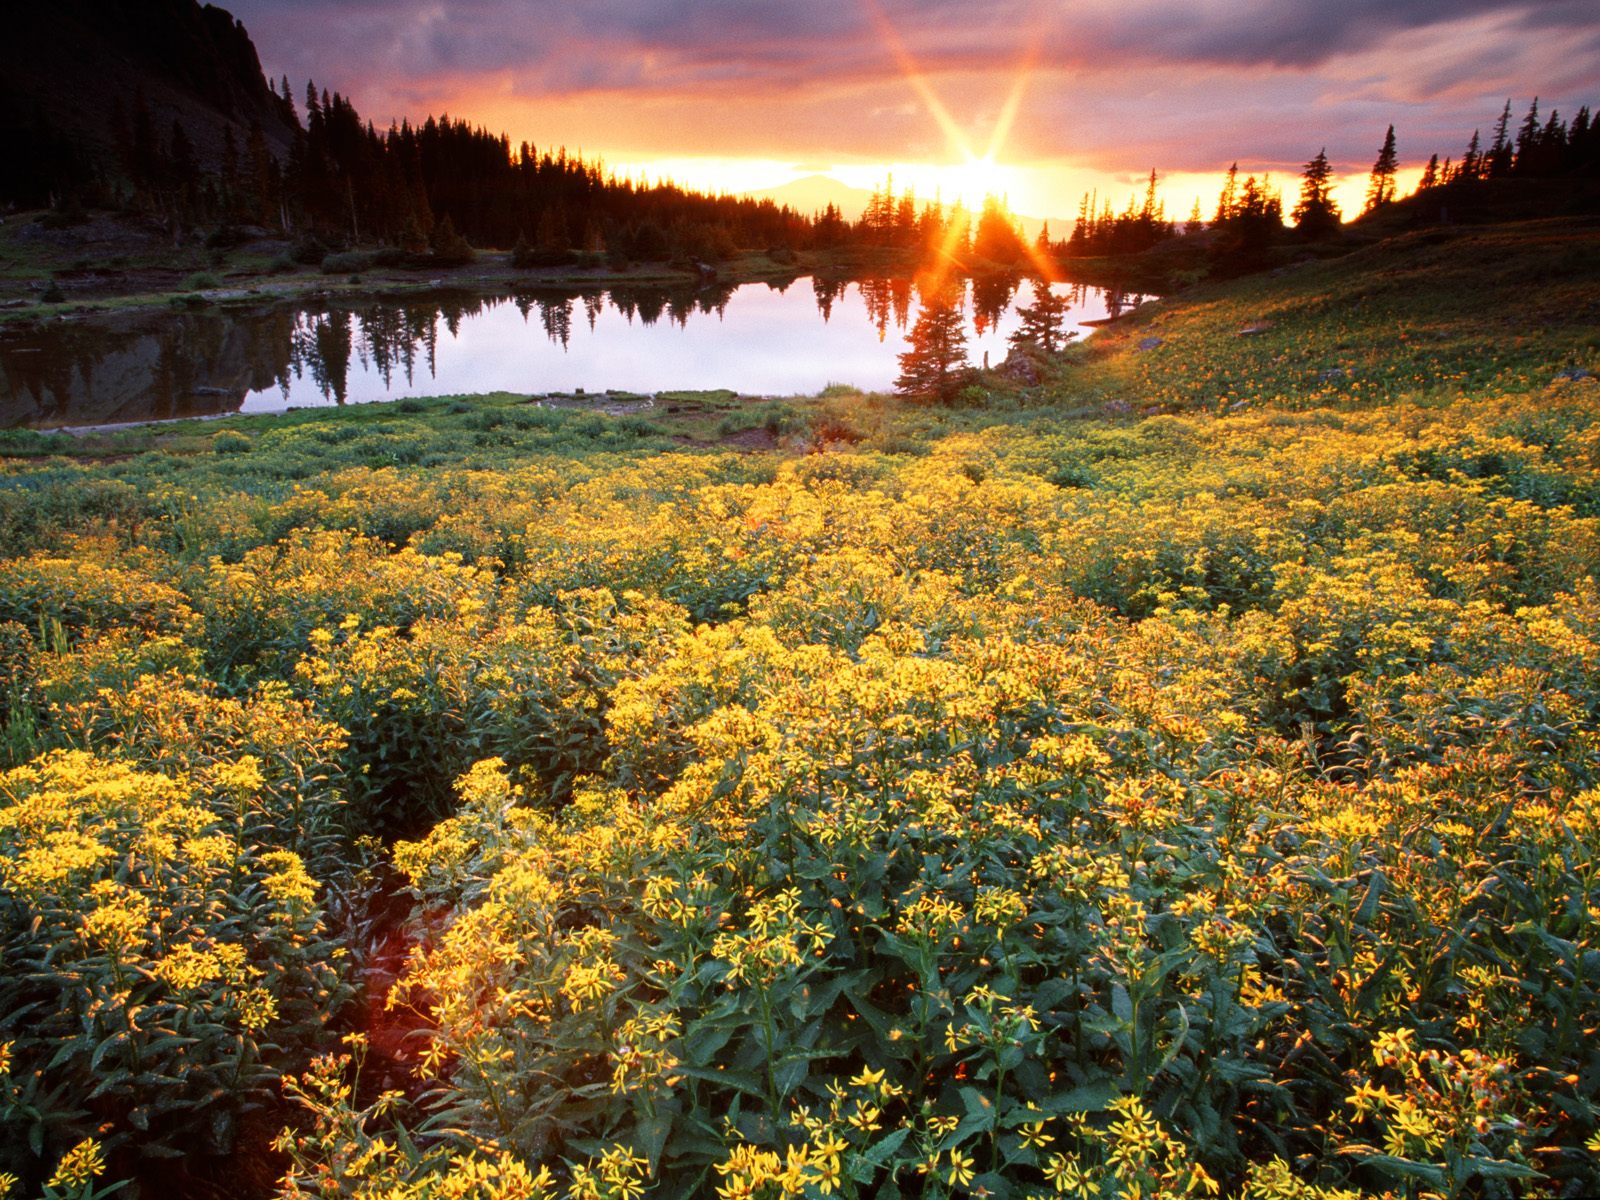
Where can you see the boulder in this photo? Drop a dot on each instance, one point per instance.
(1020, 367)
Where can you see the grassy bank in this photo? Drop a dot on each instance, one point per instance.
(1174, 774)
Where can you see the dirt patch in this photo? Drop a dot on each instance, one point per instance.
(750, 439)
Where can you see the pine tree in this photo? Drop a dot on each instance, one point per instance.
(1196, 223)
(1228, 201)
(450, 249)
(1042, 321)
(997, 238)
(1380, 185)
(931, 368)
(288, 103)
(1499, 160)
(1316, 215)
(905, 220)
(1527, 139)
(1430, 175)
(1471, 161)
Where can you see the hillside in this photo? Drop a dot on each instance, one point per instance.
(1421, 317)
(73, 74)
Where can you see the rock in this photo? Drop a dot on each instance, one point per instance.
(1572, 374)
(1333, 375)
(1252, 330)
(1150, 343)
(1021, 368)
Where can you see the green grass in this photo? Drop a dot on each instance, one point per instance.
(1422, 318)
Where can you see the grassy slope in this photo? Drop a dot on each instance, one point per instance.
(1424, 317)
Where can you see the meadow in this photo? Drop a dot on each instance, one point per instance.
(1179, 776)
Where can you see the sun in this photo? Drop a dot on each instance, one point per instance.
(974, 176)
(976, 179)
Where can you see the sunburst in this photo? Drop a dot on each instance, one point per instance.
(974, 175)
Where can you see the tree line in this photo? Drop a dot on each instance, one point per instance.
(1247, 222)
(435, 189)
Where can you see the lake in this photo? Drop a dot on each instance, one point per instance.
(756, 339)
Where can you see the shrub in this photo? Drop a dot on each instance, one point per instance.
(161, 970)
(348, 262)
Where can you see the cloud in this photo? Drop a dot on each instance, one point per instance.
(1183, 84)
(1291, 33)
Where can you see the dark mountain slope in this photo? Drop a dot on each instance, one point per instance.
(78, 78)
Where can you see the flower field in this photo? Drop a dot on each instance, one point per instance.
(1181, 778)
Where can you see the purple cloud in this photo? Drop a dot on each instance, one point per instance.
(1170, 82)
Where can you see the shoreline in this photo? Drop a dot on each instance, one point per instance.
(111, 266)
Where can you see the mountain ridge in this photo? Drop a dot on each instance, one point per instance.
(77, 75)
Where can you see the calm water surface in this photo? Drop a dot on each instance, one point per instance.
(757, 339)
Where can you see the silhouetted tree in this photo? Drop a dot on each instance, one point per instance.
(1527, 140)
(1430, 175)
(1380, 184)
(1228, 201)
(997, 239)
(1316, 215)
(1498, 161)
(1471, 167)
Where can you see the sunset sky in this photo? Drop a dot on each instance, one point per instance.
(750, 94)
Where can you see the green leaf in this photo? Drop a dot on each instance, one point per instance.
(791, 1073)
(980, 1116)
(1369, 903)
(1404, 1167)
(1049, 994)
(1088, 1097)
(885, 1147)
(650, 1136)
(1500, 1168)
(1121, 1004)
(727, 1079)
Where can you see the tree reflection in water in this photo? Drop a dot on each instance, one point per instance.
(159, 365)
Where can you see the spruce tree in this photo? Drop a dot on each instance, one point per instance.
(1528, 139)
(931, 368)
(1042, 321)
(1228, 201)
(1471, 161)
(1380, 185)
(1499, 160)
(1316, 215)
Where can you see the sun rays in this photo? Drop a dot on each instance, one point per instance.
(975, 176)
